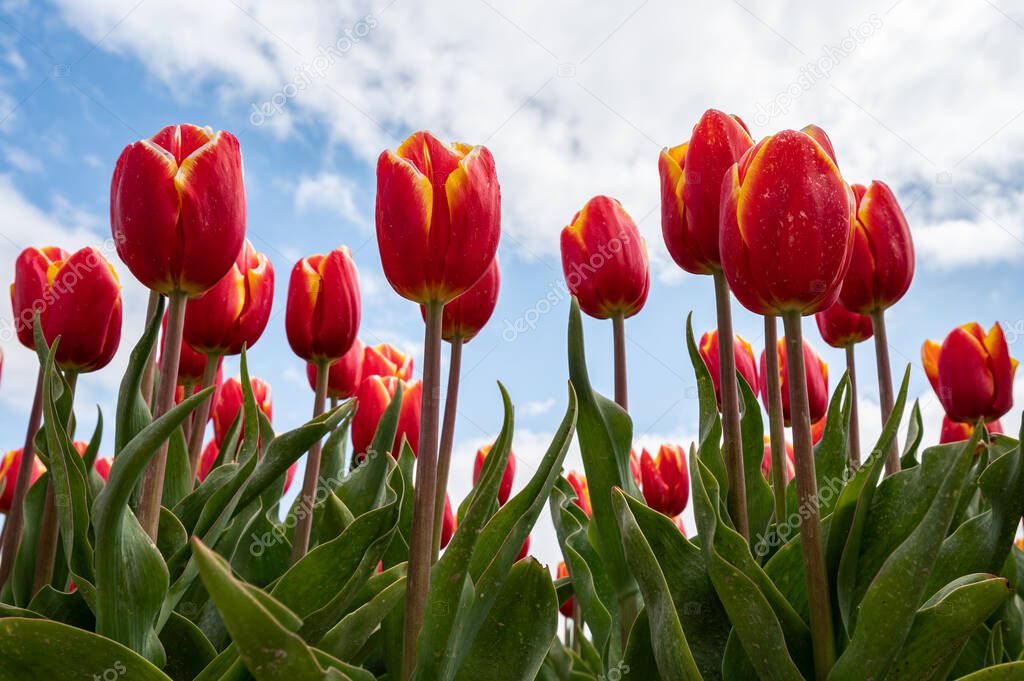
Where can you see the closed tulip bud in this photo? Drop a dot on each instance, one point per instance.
(604, 260)
(448, 523)
(177, 208)
(817, 383)
(466, 315)
(28, 291)
(566, 607)
(840, 327)
(579, 485)
(322, 315)
(228, 403)
(882, 264)
(787, 224)
(102, 467)
(235, 311)
(666, 481)
(766, 460)
(9, 466)
(524, 550)
(373, 396)
(972, 373)
(438, 217)
(956, 431)
(746, 365)
(691, 183)
(344, 375)
(386, 360)
(505, 487)
(83, 307)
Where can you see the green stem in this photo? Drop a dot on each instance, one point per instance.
(885, 394)
(444, 455)
(776, 427)
(304, 526)
(619, 342)
(149, 373)
(201, 415)
(733, 450)
(854, 438)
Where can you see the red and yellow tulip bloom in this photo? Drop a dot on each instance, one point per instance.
(323, 311)
(29, 288)
(817, 383)
(691, 181)
(191, 363)
(344, 375)
(438, 217)
(766, 461)
(956, 431)
(228, 402)
(505, 487)
(787, 224)
(463, 317)
(177, 208)
(604, 260)
(448, 523)
(971, 372)
(386, 360)
(840, 327)
(746, 365)
(582, 489)
(566, 607)
(9, 466)
(666, 481)
(373, 396)
(194, 386)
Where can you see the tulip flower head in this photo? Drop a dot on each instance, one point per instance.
(817, 383)
(228, 403)
(524, 550)
(102, 467)
(29, 288)
(322, 315)
(565, 608)
(766, 460)
(579, 485)
(194, 386)
(177, 208)
(438, 217)
(787, 224)
(746, 365)
(666, 481)
(691, 181)
(840, 327)
(448, 523)
(386, 360)
(972, 373)
(9, 466)
(505, 487)
(463, 317)
(604, 260)
(955, 431)
(373, 396)
(344, 375)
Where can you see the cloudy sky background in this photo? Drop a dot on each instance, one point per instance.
(574, 99)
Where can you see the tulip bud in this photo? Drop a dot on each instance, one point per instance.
(604, 260)
(787, 224)
(466, 315)
(972, 373)
(28, 291)
(766, 461)
(386, 360)
(448, 524)
(817, 383)
(82, 305)
(177, 208)
(634, 467)
(322, 315)
(505, 488)
(565, 608)
(882, 264)
(579, 485)
(955, 431)
(102, 467)
(344, 375)
(524, 550)
(9, 466)
(840, 327)
(235, 311)
(438, 217)
(746, 365)
(666, 481)
(691, 182)
(373, 396)
(228, 402)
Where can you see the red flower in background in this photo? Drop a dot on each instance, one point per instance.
(9, 476)
(746, 365)
(505, 487)
(666, 481)
(464, 316)
(344, 375)
(373, 397)
(386, 360)
(29, 288)
(228, 402)
(955, 431)
(323, 311)
(817, 383)
(839, 327)
(971, 372)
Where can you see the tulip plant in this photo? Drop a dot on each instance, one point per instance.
(179, 561)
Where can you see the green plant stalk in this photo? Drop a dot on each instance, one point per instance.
(149, 373)
(854, 441)
(819, 603)
(198, 423)
(576, 627)
(153, 479)
(421, 539)
(885, 395)
(619, 342)
(46, 546)
(733, 452)
(444, 455)
(304, 526)
(776, 427)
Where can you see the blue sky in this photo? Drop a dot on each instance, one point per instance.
(573, 100)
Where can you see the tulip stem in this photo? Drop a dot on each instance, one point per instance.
(304, 526)
(776, 427)
(153, 479)
(46, 546)
(201, 415)
(854, 438)
(619, 343)
(149, 373)
(426, 480)
(730, 409)
(444, 455)
(885, 396)
(807, 498)
(15, 523)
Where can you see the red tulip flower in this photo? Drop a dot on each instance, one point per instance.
(448, 523)
(191, 363)
(766, 461)
(195, 387)
(579, 485)
(524, 550)
(666, 481)
(322, 316)
(955, 431)
(373, 396)
(882, 265)
(228, 402)
(438, 217)
(566, 607)
(787, 224)
(691, 181)
(746, 365)
(344, 375)
(840, 327)
(29, 289)
(102, 467)
(604, 260)
(386, 360)
(505, 488)
(463, 317)
(177, 208)
(235, 311)
(9, 476)
(817, 383)
(972, 373)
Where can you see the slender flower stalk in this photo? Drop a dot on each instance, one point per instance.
(201, 415)
(807, 498)
(304, 527)
(885, 393)
(619, 342)
(149, 371)
(854, 437)
(444, 455)
(776, 427)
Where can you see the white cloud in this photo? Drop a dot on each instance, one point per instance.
(22, 160)
(331, 192)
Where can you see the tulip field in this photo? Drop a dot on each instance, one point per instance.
(817, 555)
